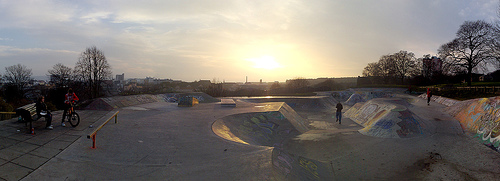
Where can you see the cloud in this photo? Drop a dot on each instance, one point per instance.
(38, 59)
(206, 39)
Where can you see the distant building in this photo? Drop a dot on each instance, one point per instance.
(119, 82)
(120, 77)
(431, 66)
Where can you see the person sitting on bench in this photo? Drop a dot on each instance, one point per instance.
(42, 111)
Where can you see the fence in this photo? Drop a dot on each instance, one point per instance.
(485, 89)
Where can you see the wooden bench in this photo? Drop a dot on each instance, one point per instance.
(27, 112)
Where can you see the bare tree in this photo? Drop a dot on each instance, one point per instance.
(297, 83)
(61, 74)
(404, 64)
(93, 68)
(418, 68)
(474, 45)
(372, 70)
(18, 75)
(387, 65)
(275, 85)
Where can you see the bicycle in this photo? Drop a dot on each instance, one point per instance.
(72, 117)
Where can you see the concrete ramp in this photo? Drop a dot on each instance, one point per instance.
(99, 104)
(110, 103)
(388, 118)
(481, 117)
(355, 98)
(122, 101)
(261, 128)
(201, 96)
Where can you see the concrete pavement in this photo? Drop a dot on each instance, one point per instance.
(161, 141)
(21, 153)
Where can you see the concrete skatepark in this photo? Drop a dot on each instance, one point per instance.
(384, 135)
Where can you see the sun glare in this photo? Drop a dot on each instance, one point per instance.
(265, 62)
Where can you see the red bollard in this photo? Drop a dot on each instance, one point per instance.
(93, 141)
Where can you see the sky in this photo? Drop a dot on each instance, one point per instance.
(229, 40)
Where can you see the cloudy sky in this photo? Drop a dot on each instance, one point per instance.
(228, 40)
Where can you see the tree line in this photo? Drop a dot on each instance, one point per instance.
(475, 48)
(86, 78)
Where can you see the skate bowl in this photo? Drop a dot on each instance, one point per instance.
(273, 129)
(270, 128)
(389, 118)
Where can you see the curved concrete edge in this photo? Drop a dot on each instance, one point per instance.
(481, 117)
(220, 129)
(270, 128)
(388, 118)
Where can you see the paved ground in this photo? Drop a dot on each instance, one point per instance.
(22, 153)
(160, 141)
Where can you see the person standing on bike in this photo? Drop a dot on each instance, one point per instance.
(69, 99)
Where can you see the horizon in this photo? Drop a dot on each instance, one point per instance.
(47, 78)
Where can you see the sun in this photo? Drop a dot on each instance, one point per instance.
(265, 62)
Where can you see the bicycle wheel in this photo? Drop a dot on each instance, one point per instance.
(74, 119)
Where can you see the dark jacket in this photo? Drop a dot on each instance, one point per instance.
(40, 106)
(339, 107)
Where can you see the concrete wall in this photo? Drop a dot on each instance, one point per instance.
(481, 117)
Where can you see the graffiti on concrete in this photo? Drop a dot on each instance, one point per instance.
(408, 124)
(493, 143)
(309, 166)
(200, 98)
(386, 118)
(282, 161)
(263, 128)
(342, 96)
(298, 167)
(385, 124)
(368, 111)
(481, 117)
(365, 114)
(355, 98)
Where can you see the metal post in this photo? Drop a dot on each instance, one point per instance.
(93, 141)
